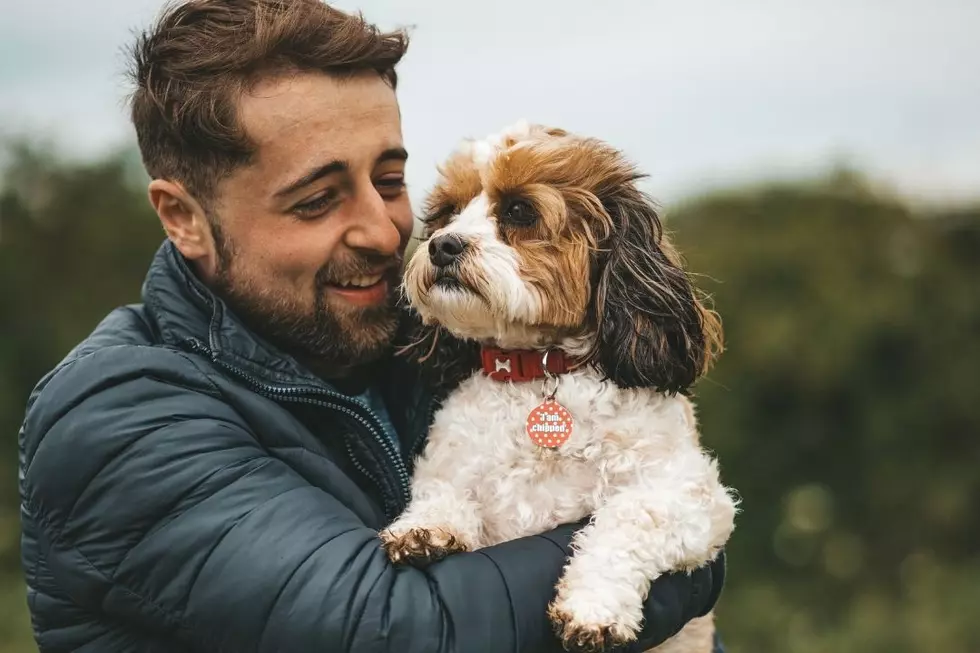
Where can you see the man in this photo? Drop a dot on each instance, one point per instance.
(209, 469)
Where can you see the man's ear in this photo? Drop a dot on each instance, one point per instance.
(184, 220)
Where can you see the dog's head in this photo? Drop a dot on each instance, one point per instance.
(536, 237)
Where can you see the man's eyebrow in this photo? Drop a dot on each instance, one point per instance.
(393, 154)
(316, 173)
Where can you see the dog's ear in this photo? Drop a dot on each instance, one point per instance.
(652, 329)
(445, 361)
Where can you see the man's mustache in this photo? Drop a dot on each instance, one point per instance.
(335, 272)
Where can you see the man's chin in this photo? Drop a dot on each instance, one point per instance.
(367, 333)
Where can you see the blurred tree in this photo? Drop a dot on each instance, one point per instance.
(845, 410)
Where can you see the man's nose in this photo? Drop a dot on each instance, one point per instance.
(375, 230)
(446, 249)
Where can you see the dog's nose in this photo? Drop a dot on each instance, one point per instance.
(446, 249)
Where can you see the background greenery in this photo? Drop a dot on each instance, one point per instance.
(846, 409)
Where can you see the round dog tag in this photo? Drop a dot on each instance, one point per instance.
(549, 425)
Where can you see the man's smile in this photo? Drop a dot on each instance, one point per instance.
(362, 290)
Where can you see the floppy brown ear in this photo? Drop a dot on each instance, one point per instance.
(652, 328)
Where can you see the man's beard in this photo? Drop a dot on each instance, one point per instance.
(330, 341)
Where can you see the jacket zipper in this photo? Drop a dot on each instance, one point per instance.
(295, 395)
(420, 439)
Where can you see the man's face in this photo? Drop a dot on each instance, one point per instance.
(309, 235)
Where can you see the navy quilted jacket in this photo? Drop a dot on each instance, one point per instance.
(187, 488)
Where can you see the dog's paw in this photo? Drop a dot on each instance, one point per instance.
(588, 630)
(420, 546)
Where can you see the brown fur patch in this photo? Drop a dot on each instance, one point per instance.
(459, 182)
(420, 547)
(561, 162)
(584, 638)
(555, 255)
(560, 176)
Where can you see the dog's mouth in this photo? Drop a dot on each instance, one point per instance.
(451, 281)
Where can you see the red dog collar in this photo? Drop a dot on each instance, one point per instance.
(522, 364)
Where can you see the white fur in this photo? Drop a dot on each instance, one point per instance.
(633, 461)
(483, 151)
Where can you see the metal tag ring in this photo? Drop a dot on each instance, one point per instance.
(549, 377)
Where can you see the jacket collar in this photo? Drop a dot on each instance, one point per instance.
(190, 317)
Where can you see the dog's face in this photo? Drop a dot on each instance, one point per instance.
(536, 237)
(508, 240)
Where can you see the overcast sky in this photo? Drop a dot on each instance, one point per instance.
(698, 92)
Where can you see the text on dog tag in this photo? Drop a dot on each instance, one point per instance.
(549, 425)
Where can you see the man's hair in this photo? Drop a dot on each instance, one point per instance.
(193, 65)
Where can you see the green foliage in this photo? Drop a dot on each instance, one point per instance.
(844, 410)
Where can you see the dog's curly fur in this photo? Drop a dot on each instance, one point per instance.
(561, 250)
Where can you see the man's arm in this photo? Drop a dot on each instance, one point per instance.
(161, 510)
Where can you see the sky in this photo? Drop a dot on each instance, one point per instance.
(699, 93)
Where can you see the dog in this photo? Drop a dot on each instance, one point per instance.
(578, 334)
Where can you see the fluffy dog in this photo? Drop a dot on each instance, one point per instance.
(580, 333)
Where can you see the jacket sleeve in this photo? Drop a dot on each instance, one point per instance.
(159, 508)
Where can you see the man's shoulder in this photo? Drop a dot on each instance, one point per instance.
(123, 348)
(126, 325)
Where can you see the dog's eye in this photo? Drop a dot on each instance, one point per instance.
(438, 217)
(519, 212)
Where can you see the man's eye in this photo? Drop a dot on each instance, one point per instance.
(316, 206)
(391, 186)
